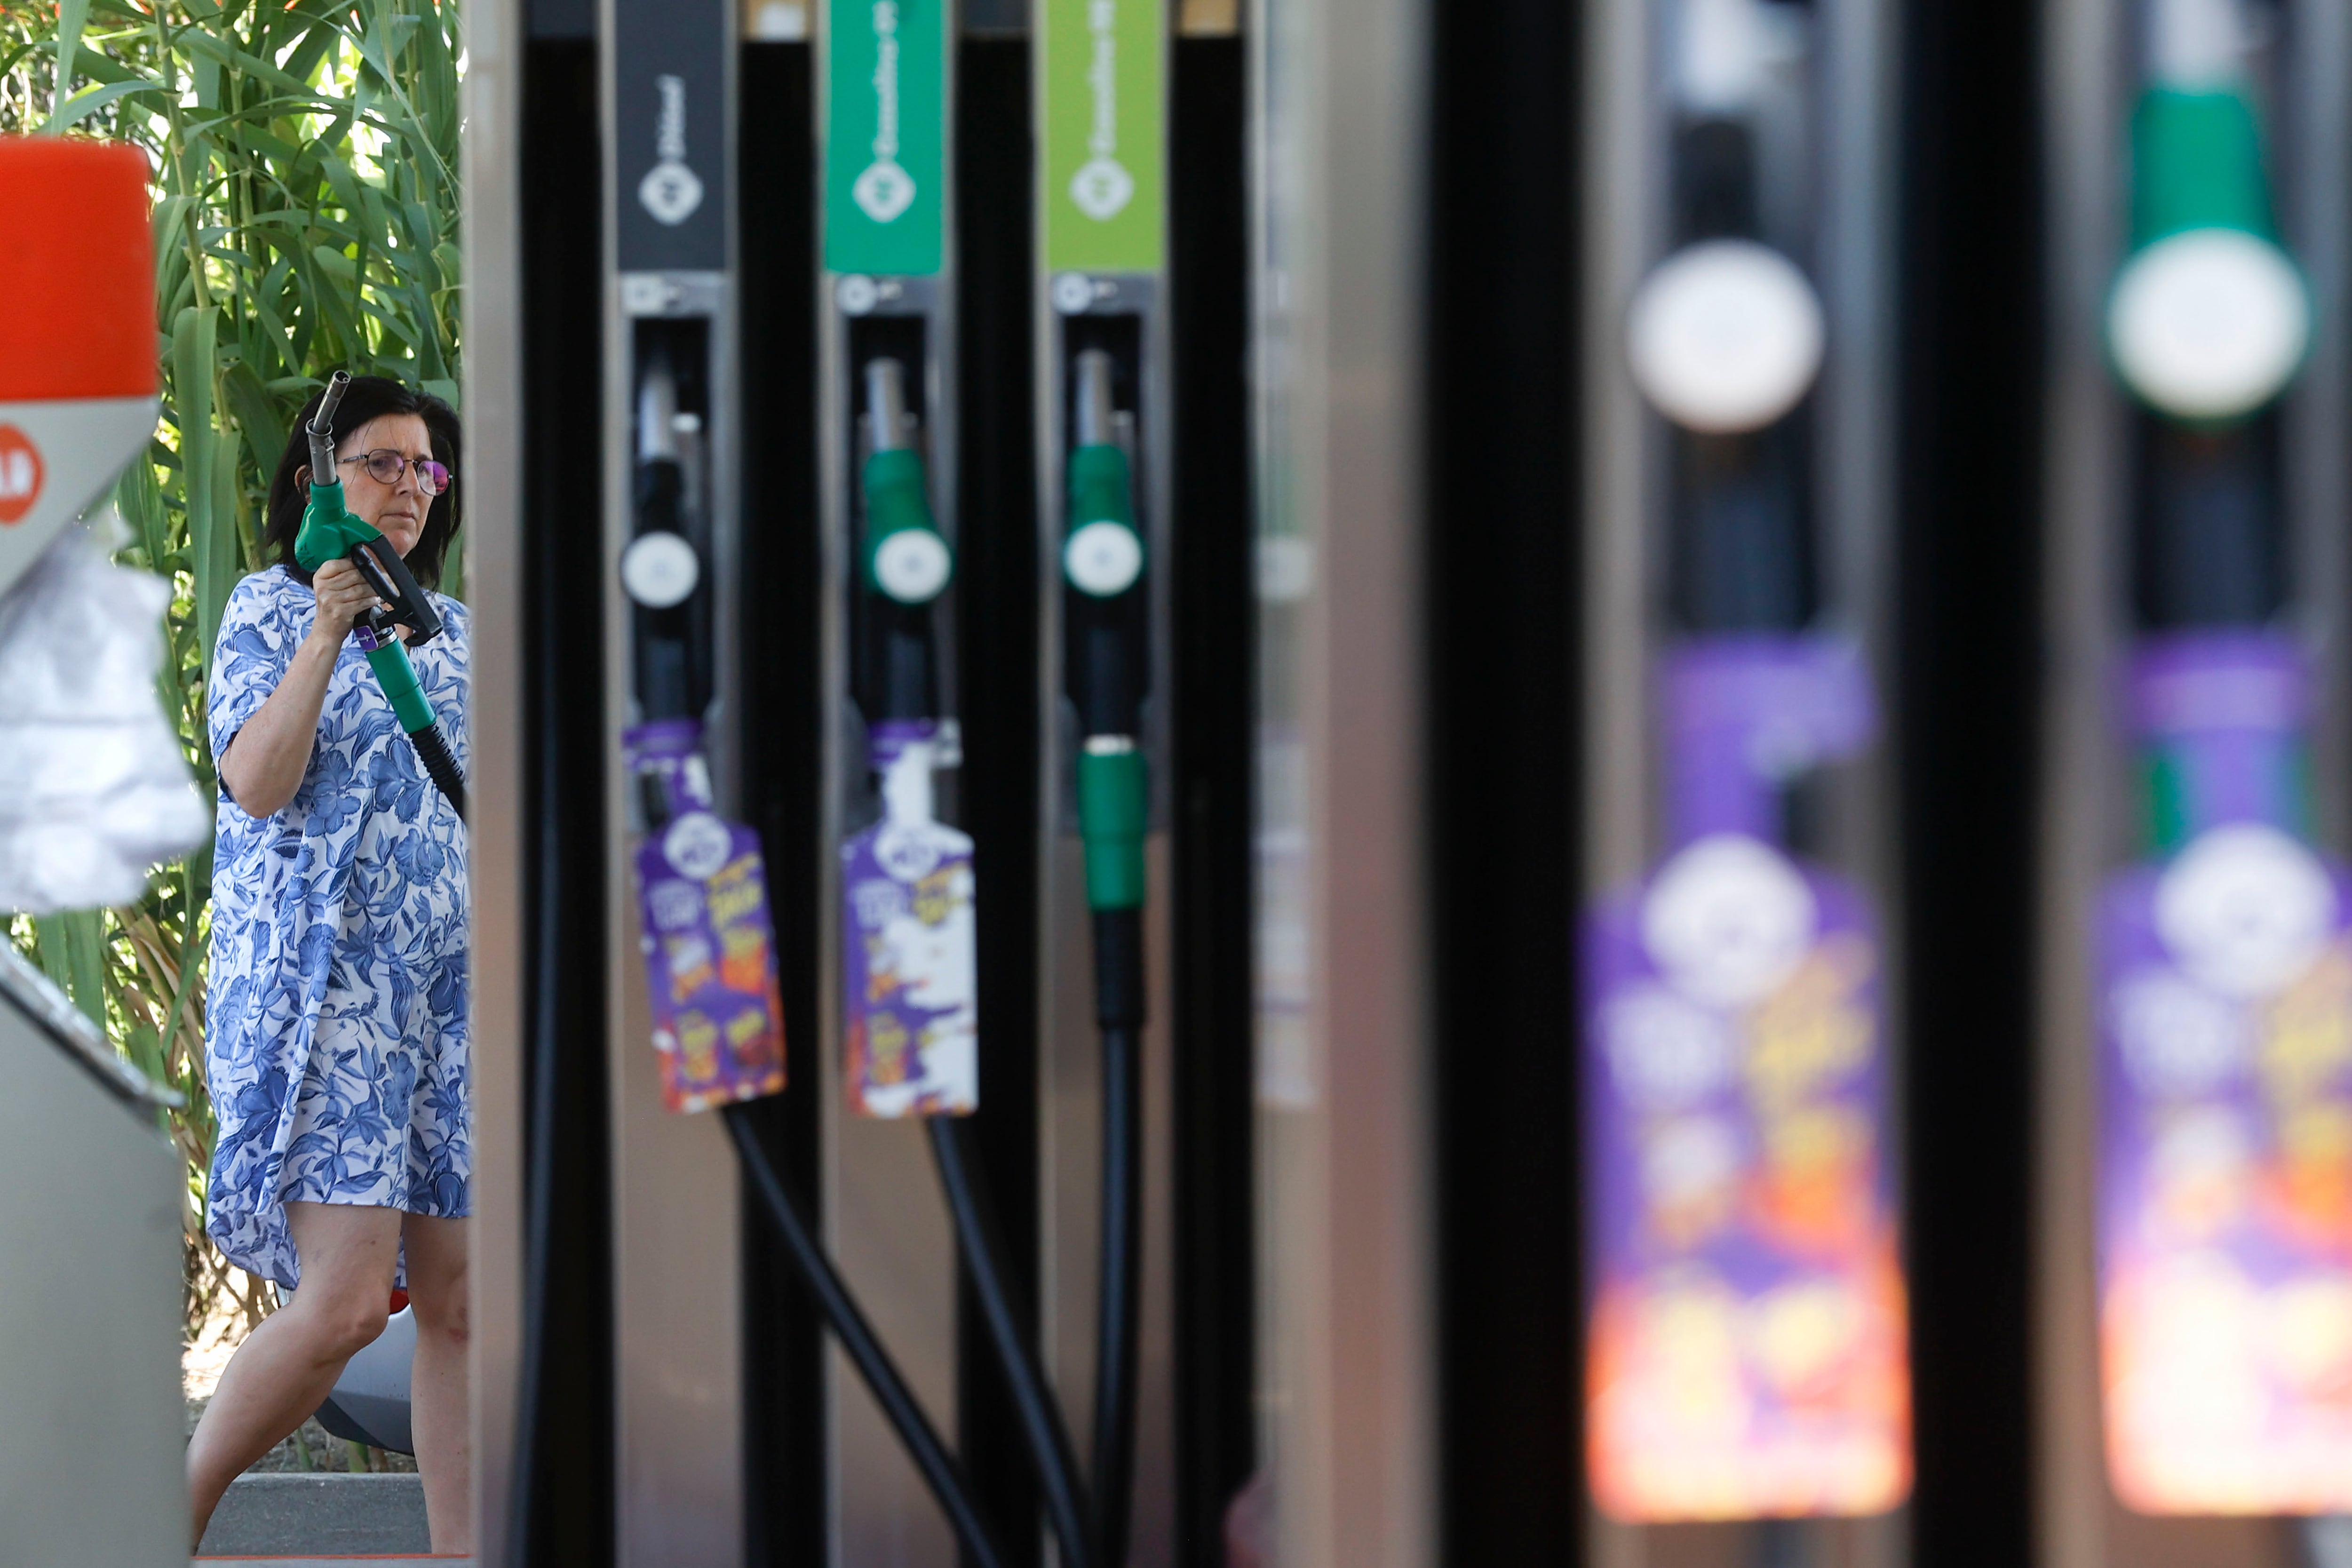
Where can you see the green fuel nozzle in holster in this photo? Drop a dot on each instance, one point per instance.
(331, 533)
(2209, 318)
(906, 559)
(1102, 561)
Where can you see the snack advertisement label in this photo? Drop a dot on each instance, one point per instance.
(909, 942)
(705, 931)
(2225, 1178)
(710, 964)
(1745, 1354)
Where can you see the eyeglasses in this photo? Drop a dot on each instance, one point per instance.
(384, 466)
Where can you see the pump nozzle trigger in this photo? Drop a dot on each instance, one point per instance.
(406, 604)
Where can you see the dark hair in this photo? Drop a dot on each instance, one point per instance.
(371, 397)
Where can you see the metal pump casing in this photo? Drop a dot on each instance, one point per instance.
(669, 118)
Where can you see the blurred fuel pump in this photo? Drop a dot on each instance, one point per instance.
(1104, 417)
(1714, 1207)
(2231, 941)
(93, 790)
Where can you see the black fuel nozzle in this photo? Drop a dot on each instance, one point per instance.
(907, 562)
(660, 486)
(661, 568)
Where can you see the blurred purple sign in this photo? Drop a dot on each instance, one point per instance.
(1746, 1352)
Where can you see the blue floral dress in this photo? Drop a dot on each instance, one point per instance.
(336, 1041)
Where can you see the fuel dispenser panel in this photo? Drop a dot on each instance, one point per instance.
(1746, 1358)
(1104, 431)
(956, 1348)
(669, 450)
(2196, 921)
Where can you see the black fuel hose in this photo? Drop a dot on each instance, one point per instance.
(931, 1456)
(902, 685)
(1121, 1287)
(440, 766)
(982, 1248)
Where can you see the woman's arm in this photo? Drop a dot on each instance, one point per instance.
(263, 766)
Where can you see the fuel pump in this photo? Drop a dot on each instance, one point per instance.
(1103, 430)
(2234, 930)
(2197, 916)
(1717, 1194)
(710, 918)
(908, 997)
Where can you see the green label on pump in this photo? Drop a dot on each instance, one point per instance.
(1104, 68)
(884, 140)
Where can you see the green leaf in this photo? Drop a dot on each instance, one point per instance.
(217, 560)
(72, 14)
(90, 101)
(140, 501)
(258, 414)
(73, 954)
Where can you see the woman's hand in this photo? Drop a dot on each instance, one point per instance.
(343, 597)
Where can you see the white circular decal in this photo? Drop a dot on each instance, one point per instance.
(660, 570)
(1725, 336)
(2209, 323)
(670, 191)
(1727, 920)
(2245, 909)
(1073, 292)
(855, 294)
(883, 190)
(912, 565)
(1101, 189)
(1102, 559)
(698, 844)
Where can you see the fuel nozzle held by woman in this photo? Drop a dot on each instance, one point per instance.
(331, 533)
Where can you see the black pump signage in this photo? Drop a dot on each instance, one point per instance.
(671, 136)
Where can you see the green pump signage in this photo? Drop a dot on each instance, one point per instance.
(1103, 70)
(884, 135)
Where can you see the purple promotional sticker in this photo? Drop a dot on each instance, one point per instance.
(1747, 1353)
(1744, 714)
(912, 970)
(705, 929)
(2225, 1181)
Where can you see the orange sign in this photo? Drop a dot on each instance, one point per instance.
(20, 475)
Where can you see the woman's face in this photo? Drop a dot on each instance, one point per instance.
(397, 511)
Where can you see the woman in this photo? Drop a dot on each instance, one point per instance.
(336, 1048)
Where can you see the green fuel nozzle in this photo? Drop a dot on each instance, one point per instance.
(1102, 554)
(2208, 319)
(907, 558)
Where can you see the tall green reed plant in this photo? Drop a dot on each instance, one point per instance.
(306, 220)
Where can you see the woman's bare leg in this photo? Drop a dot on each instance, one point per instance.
(287, 1365)
(439, 1412)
